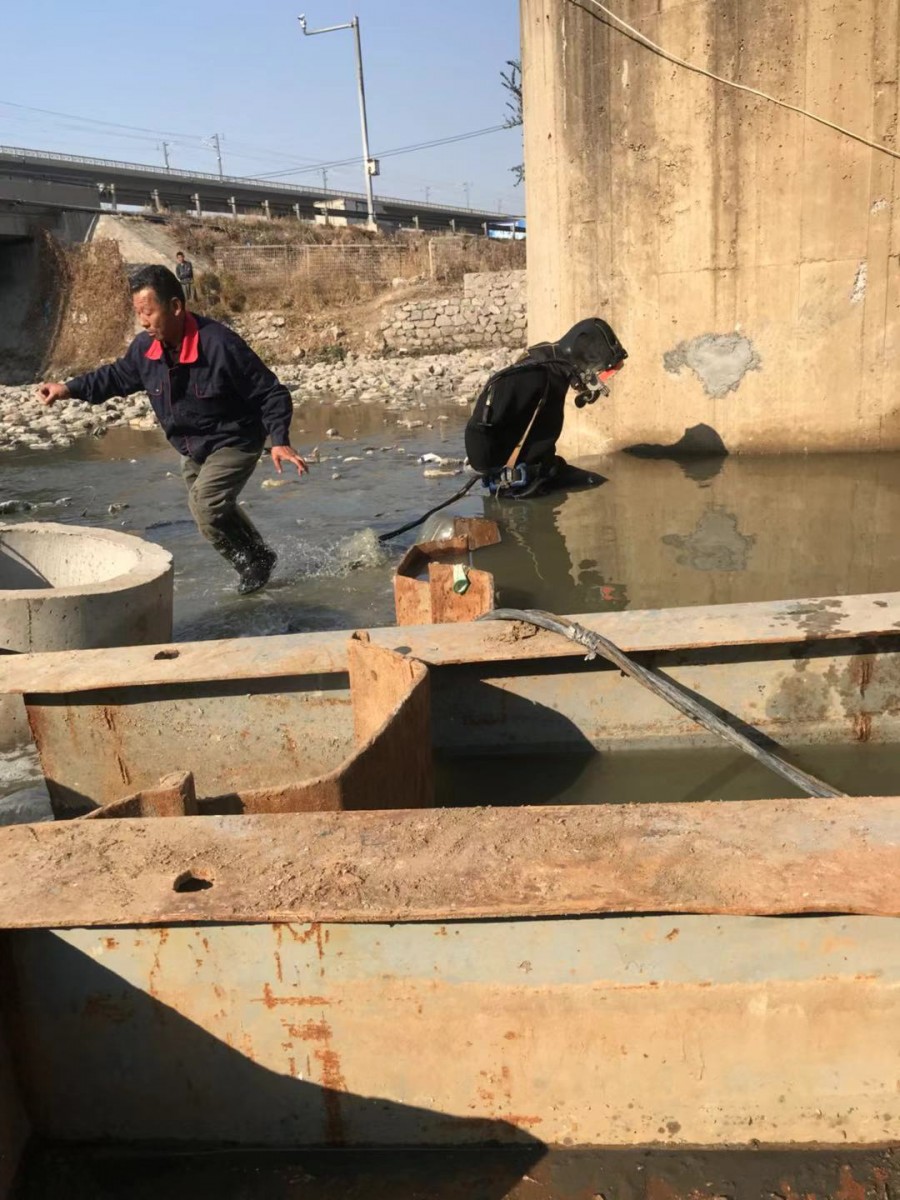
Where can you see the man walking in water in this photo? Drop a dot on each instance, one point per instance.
(216, 402)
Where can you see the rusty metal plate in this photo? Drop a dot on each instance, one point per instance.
(757, 857)
(601, 1032)
(287, 752)
(781, 622)
(423, 582)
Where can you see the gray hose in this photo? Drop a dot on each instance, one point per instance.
(596, 644)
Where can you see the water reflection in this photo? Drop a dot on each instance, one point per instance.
(538, 564)
(653, 537)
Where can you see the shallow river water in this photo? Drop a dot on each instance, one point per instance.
(656, 534)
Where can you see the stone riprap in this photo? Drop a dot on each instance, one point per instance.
(491, 309)
(401, 381)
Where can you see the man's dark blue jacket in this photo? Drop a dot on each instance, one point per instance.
(218, 394)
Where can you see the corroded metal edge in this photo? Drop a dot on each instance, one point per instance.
(780, 622)
(761, 857)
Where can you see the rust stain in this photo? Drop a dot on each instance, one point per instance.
(861, 671)
(333, 1084)
(292, 1067)
(270, 1000)
(278, 970)
(312, 1031)
(123, 770)
(786, 1192)
(162, 935)
(672, 935)
(313, 930)
(660, 1189)
(521, 1121)
(862, 726)
(848, 1187)
(110, 943)
(510, 1035)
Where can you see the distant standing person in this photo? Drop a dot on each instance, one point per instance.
(184, 269)
(215, 400)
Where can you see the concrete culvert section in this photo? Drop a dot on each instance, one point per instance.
(63, 587)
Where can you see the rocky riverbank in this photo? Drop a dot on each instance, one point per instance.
(399, 382)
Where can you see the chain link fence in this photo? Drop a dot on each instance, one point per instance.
(375, 265)
(446, 259)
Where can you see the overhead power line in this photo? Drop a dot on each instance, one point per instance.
(643, 40)
(251, 150)
(343, 162)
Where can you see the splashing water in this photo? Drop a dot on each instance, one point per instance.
(357, 551)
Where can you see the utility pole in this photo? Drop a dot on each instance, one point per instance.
(427, 195)
(218, 149)
(165, 153)
(324, 179)
(370, 165)
(466, 187)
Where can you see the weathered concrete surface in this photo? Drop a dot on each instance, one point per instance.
(714, 228)
(63, 587)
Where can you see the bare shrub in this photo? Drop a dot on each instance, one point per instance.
(95, 318)
(450, 258)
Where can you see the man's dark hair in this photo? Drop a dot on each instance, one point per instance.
(180, 254)
(160, 280)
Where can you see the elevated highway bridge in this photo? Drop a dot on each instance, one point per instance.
(28, 179)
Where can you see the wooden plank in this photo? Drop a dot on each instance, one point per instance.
(780, 622)
(756, 857)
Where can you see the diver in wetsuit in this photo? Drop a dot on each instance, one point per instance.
(512, 433)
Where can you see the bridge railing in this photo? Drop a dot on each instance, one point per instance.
(274, 187)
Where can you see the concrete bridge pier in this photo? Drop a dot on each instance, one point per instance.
(28, 209)
(746, 255)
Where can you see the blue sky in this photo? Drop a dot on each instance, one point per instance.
(280, 100)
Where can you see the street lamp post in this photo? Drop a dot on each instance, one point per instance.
(370, 166)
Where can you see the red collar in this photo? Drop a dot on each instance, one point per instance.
(190, 343)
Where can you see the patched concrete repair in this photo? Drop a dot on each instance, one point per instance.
(719, 360)
(63, 587)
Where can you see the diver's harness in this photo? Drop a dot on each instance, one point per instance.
(517, 479)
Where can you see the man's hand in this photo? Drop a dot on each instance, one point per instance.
(280, 454)
(49, 393)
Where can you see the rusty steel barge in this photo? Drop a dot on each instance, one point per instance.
(260, 933)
